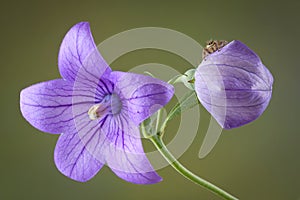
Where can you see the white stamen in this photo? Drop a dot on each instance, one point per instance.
(93, 112)
(111, 104)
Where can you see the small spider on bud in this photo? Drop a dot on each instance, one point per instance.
(213, 46)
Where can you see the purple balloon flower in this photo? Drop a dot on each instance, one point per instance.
(96, 110)
(233, 85)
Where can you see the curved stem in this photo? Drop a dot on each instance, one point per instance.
(158, 120)
(157, 141)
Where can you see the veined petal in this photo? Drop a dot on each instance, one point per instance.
(142, 95)
(125, 155)
(234, 108)
(239, 56)
(73, 159)
(115, 140)
(79, 58)
(48, 106)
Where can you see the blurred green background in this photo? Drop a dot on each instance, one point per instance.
(258, 161)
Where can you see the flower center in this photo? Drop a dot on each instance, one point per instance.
(111, 104)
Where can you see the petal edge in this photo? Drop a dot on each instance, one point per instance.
(48, 105)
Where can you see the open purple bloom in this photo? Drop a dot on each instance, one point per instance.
(96, 110)
(233, 85)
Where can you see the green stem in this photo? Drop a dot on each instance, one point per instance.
(157, 141)
(158, 120)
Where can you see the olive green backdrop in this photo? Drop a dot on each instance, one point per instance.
(257, 162)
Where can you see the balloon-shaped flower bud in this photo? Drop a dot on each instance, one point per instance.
(233, 85)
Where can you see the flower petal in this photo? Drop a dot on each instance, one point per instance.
(238, 54)
(73, 159)
(125, 155)
(143, 95)
(233, 85)
(249, 106)
(78, 56)
(116, 141)
(48, 106)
